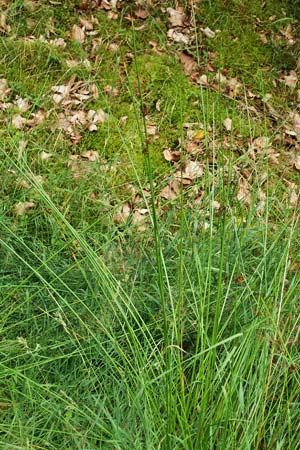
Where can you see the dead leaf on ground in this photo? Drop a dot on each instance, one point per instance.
(78, 34)
(227, 124)
(141, 13)
(22, 207)
(171, 155)
(193, 170)
(22, 104)
(243, 194)
(208, 32)
(294, 197)
(176, 16)
(139, 218)
(114, 92)
(177, 36)
(122, 214)
(45, 155)
(91, 155)
(171, 191)
(290, 80)
(18, 121)
(189, 64)
(4, 27)
(297, 162)
(86, 24)
(296, 123)
(4, 89)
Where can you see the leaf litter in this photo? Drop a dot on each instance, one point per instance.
(70, 114)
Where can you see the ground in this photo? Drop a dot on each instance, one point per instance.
(150, 170)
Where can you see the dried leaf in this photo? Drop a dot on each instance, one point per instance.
(243, 194)
(18, 121)
(86, 24)
(4, 27)
(91, 155)
(171, 155)
(141, 13)
(176, 36)
(171, 191)
(227, 124)
(208, 32)
(297, 162)
(45, 155)
(4, 89)
(193, 169)
(189, 64)
(291, 79)
(22, 207)
(296, 123)
(176, 16)
(122, 214)
(22, 104)
(78, 34)
(58, 42)
(294, 197)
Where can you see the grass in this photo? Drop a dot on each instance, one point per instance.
(178, 331)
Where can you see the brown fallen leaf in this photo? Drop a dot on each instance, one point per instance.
(91, 155)
(176, 16)
(22, 207)
(45, 155)
(114, 92)
(139, 218)
(243, 194)
(193, 170)
(58, 42)
(86, 24)
(18, 121)
(177, 36)
(171, 155)
(4, 89)
(227, 124)
(141, 13)
(189, 64)
(208, 32)
(290, 80)
(294, 197)
(122, 214)
(78, 34)
(22, 104)
(4, 27)
(297, 162)
(296, 123)
(171, 191)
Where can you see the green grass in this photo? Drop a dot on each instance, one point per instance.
(182, 334)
